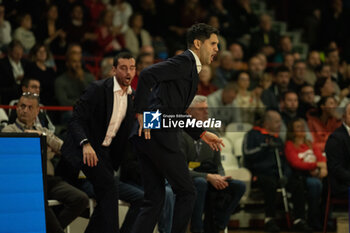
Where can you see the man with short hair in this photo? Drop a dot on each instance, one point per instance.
(298, 77)
(259, 147)
(210, 182)
(169, 87)
(338, 163)
(307, 100)
(74, 201)
(282, 78)
(97, 138)
(32, 85)
(313, 61)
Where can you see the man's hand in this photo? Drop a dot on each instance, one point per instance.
(213, 141)
(89, 155)
(219, 182)
(146, 131)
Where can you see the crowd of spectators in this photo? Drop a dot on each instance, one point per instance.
(51, 49)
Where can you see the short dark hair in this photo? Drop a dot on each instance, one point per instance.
(200, 31)
(122, 55)
(281, 69)
(284, 94)
(141, 56)
(25, 81)
(13, 44)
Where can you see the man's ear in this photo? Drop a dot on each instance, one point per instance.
(197, 44)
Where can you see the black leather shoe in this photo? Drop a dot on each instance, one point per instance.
(302, 226)
(271, 226)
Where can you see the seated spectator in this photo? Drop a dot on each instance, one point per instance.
(285, 46)
(109, 38)
(32, 85)
(298, 76)
(281, 82)
(5, 30)
(78, 31)
(136, 36)
(224, 73)
(51, 33)
(12, 70)
(122, 10)
(256, 71)
(259, 147)
(249, 102)
(333, 60)
(323, 121)
(95, 9)
(265, 39)
(142, 61)
(24, 34)
(313, 61)
(205, 87)
(309, 165)
(106, 68)
(337, 151)
(222, 105)
(237, 57)
(39, 55)
(74, 201)
(288, 61)
(71, 84)
(213, 21)
(324, 70)
(222, 192)
(307, 100)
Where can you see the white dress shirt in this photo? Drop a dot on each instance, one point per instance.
(198, 62)
(120, 104)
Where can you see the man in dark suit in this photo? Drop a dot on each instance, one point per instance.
(97, 137)
(169, 87)
(12, 71)
(338, 157)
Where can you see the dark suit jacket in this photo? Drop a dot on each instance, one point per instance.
(9, 89)
(91, 116)
(169, 86)
(338, 161)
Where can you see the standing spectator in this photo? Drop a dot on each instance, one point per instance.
(205, 87)
(39, 55)
(313, 61)
(12, 70)
(256, 72)
(109, 38)
(289, 107)
(122, 10)
(309, 164)
(136, 37)
(50, 31)
(323, 121)
(259, 147)
(5, 30)
(24, 34)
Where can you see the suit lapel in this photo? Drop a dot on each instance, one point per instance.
(194, 78)
(346, 139)
(109, 99)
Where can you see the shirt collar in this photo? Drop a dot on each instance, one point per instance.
(23, 126)
(347, 128)
(198, 62)
(116, 87)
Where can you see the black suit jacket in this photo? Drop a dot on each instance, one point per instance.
(338, 161)
(91, 117)
(9, 89)
(169, 86)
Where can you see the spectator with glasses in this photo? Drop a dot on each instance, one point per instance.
(74, 201)
(32, 85)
